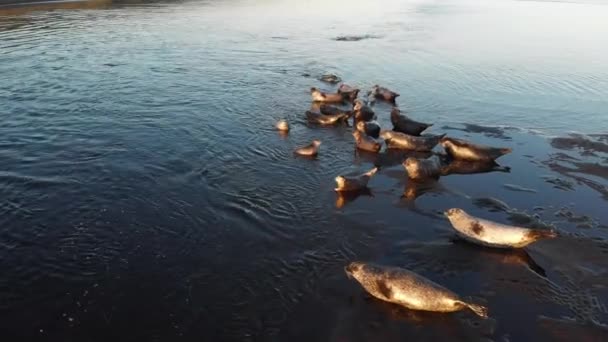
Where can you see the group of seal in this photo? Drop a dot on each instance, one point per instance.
(393, 284)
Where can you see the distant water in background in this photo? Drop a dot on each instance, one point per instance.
(145, 196)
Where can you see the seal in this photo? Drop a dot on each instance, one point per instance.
(332, 110)
(493, 234)
(406, 288)
(319, 96)
(419, 169)
(464, 150)
(402, 123)
(404, 141)
(362, 111)
(309, 150)
(325, 120)
(349, 93)
(330, 78)
(365, 142)
(354, 183)
(282, 126)
(385, 94)
(371, 128)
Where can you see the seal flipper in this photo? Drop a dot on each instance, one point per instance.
(479, 310)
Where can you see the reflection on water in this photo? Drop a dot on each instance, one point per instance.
(147, 196)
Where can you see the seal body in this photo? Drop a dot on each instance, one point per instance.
(309, 150)
(406, 288)
(332, 110)
(371, 128)
(464, 150)
(384, 94)
(349, 93)
(330, 78)
(366, 143)
(362, 111)
(282, 126)
(326, 120)
(404, 141)
(319, 96)
(493, 234)
(419, 169)
(402, 123)
(354, 183)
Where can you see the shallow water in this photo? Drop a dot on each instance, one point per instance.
(146, 195)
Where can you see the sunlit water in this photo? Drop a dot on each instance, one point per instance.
(145, 196)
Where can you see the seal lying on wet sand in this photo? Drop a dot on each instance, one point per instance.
(366, 143)
(362, 111)
(354, 183)
(409, 142)
(402, 123)
(310, 150)
(326, 120)
(320, 96)
(464, 150)
(418, 169)
(406, 288)
(385, 94)
(370, 128)
(493, 234)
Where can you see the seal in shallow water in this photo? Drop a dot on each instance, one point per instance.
(385, 94)
(419, 169)
(319, 96)
(354, 183)
(402, 123)
(404, 141)
(493, 234)
(309, 150)
(464, 150)
(350, 93)
(406, 288)
(362, 111)
(282, 126)
(325, 120)
(371, 128)
(366, 143)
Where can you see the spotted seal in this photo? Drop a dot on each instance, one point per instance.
(402, 123)
(493, 234)
(354, 183)
(406, 288)
(309, 150)
(465, 150)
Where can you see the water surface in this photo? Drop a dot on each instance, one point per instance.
(146, 196)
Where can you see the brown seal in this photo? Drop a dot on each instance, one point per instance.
(362, 111)
(282, 126)
(354, 183)
(325, 120)
(319, 96)
(413, 291)
(419, 169)
(404, 141)
(349, 93)
(366, 143)
(385, 94)
(371, 128)
(402, 123)
(309, 150)
(465, 150)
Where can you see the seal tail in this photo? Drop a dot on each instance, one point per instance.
(479, 310)
(372, 171)
(542, 234)
(506, 150)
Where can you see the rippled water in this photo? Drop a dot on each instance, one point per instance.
(145, 195)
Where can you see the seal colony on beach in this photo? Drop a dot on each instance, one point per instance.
(422, 165)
